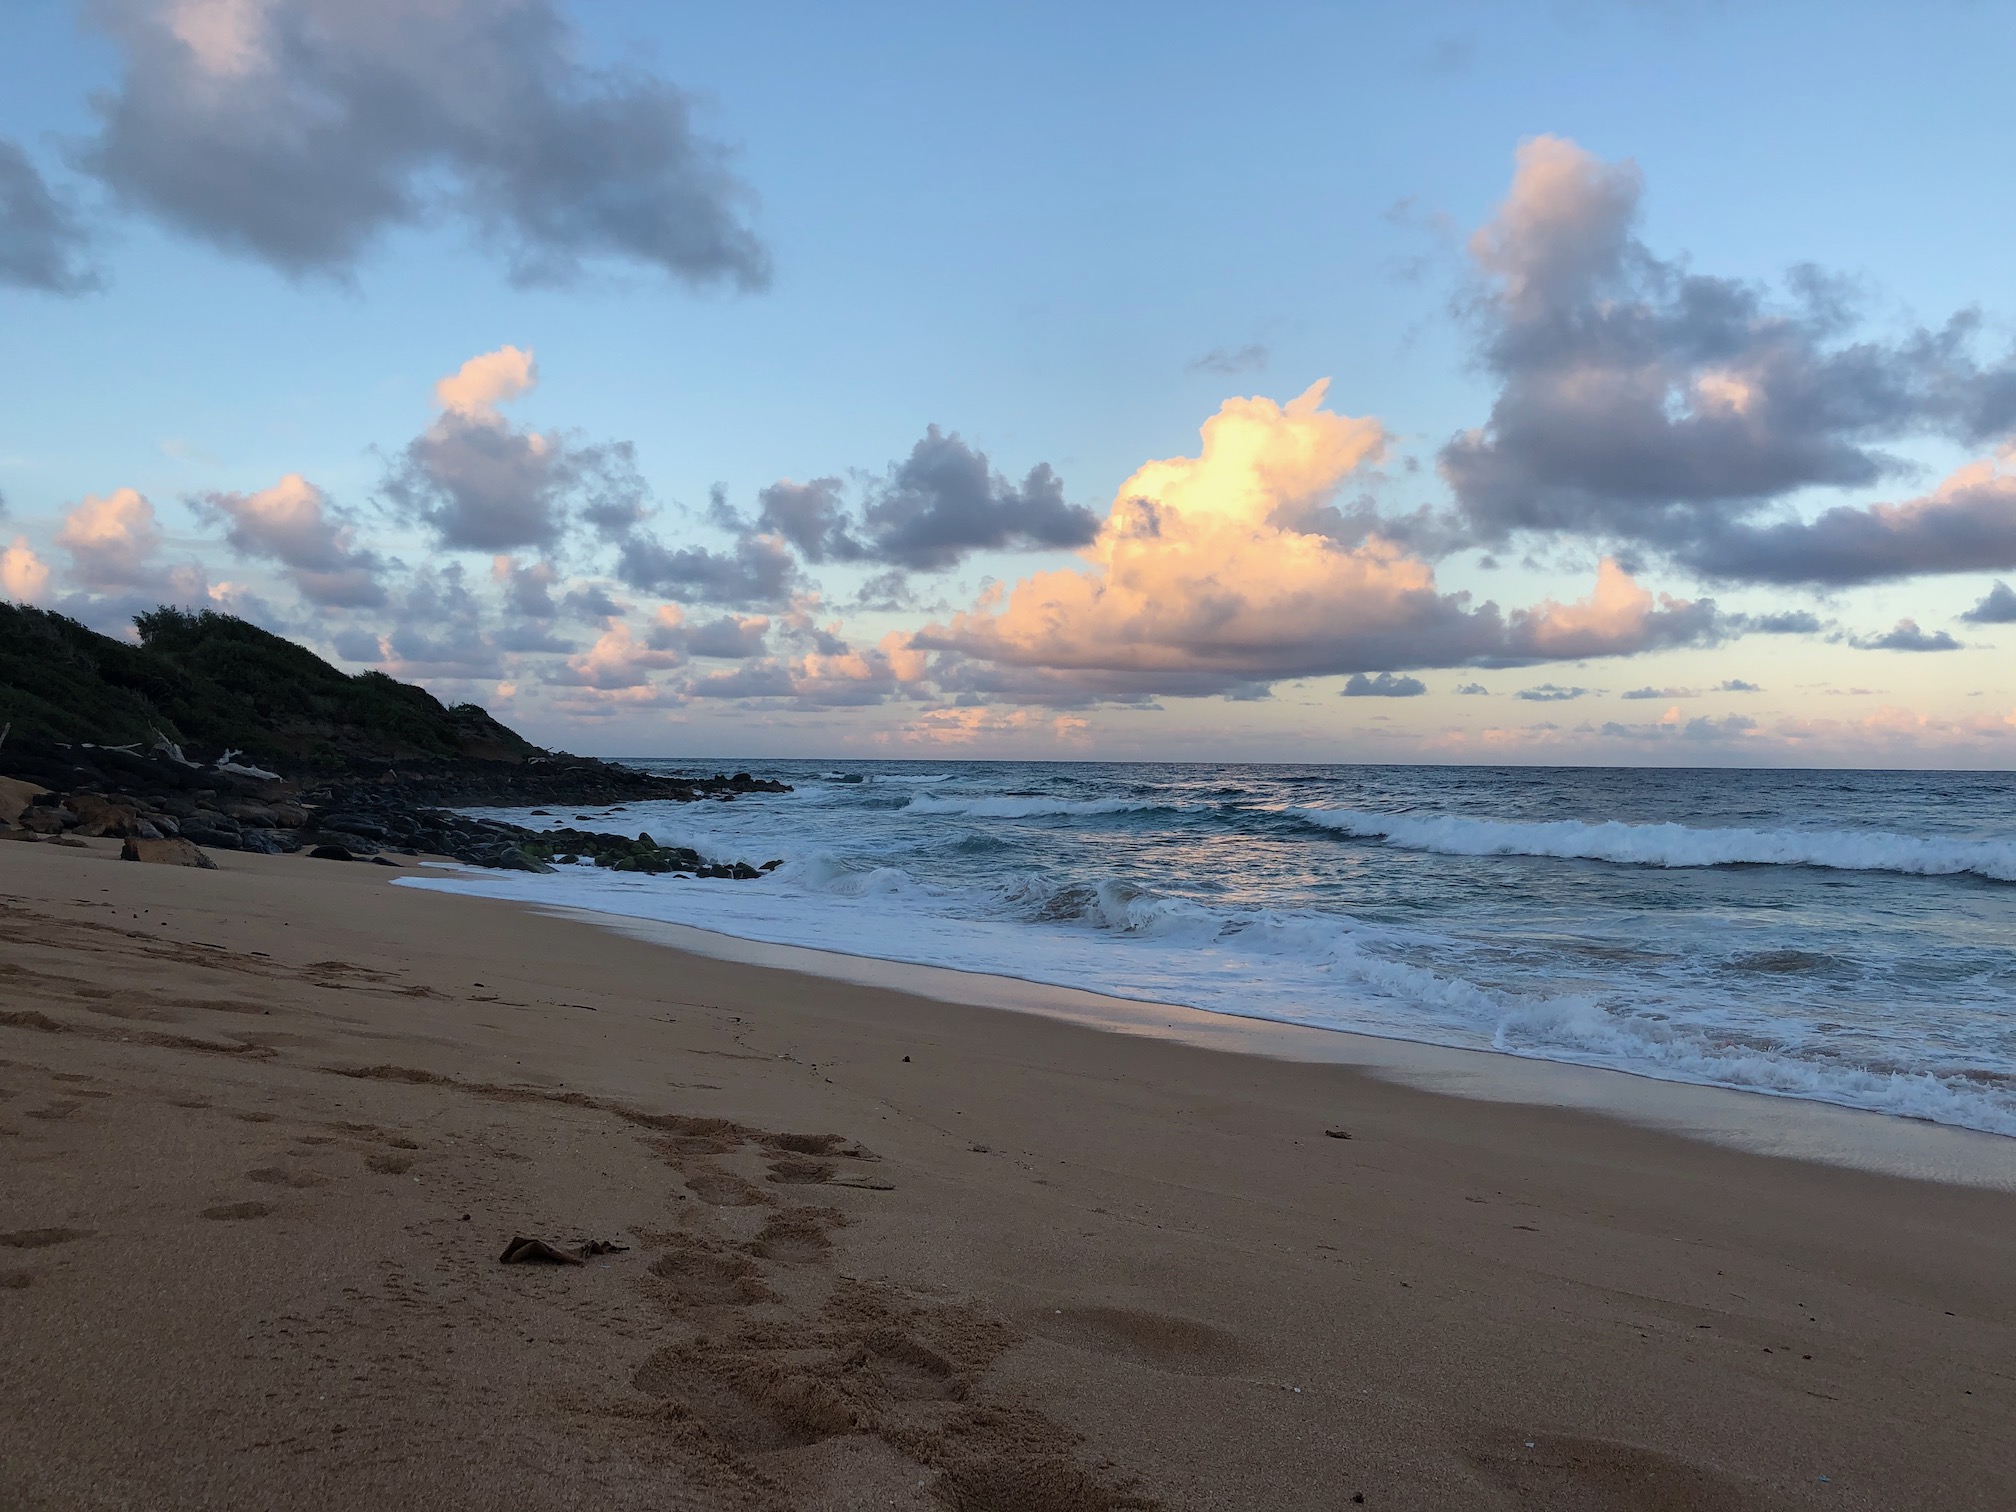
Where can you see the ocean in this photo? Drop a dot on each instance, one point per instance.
(1848, 937)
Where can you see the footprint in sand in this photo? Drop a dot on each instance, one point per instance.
(42, 1238)
(725, 1189)
(796, 1170)
(797, 1236)
(227, 1211)
(703, 1275)
(1563, 1470)
(1183, 1346)
(281, 1176)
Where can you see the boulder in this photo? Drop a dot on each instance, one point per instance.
(331, 853)
(216, 839)
(15, 796)
(354, 823)
(45, 819)
(176, 852)
(99, 815)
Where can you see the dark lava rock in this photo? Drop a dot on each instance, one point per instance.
(215, 839)
(331, 853)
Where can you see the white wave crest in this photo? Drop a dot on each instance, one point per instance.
(1024, 808)
(1677, 845)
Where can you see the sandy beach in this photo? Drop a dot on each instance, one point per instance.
(268, 1129)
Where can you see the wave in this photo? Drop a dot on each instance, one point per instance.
(1677, 845)
(1026, 808)
(1322, 970)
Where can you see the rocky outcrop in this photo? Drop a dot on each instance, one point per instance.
(121, 795)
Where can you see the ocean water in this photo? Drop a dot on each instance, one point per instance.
(1843, 936)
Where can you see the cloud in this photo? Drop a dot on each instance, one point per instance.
(812, 516)
(618, 659)
(724, 638)
(485, 381)
(936, 506)
(299, 131)
(833, 674)
(1551, 693)
(1784, 622)
(1473, 690)
(294, 524)
(1997, 607)
(1906, 636)
(112, 540)
(1703, 728)
(42, 240)
(973, 726)
(1202, 582)
(484, 484)
(1642, 402)
(1229, 362)
(943, 501)
(1967, 523)
(527, 590)
(758, 571)
(1736, 685)
(24, 577)
(1645, 693)
(438, 629)
(1385, 685)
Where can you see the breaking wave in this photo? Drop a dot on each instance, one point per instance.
(1677, 845)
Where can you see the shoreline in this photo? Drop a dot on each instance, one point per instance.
(265, 1131)
(1753, 1120)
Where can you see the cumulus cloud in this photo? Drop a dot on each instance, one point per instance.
(42, 239)
(1997, 607)
(833, 674)
(758, 571)
(24, 576)
(299, 131)
(528, 590)
(727, 637)
(1646, 693)
(1551, 693)
(293, 523)
(1906, 636)
(935, 507)
(1385, 685)
(618, 659)
(1736, 685)
(1473, 690)
(1967, 523)
(1201, 580)
(438, 629)
(483, 484)
(112, 540)
(1642, 402)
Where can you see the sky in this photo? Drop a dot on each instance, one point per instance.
(1573, 382)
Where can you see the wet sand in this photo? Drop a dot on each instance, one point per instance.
(266, 1131)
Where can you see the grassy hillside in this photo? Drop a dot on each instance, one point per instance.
(209, 680)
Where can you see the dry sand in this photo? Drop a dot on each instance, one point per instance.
(267, 1129)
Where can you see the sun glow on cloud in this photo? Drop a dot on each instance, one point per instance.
(1236, 566)
(24, 576)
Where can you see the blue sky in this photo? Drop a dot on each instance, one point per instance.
(1034, 226)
